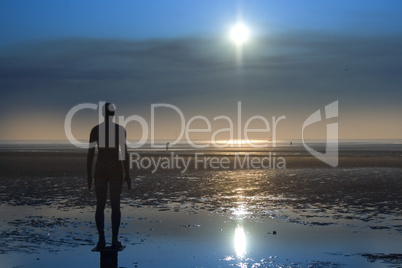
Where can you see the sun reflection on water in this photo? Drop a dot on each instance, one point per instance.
(240, 242)
(240, 212)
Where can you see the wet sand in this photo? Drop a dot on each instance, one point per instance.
(73, 163)
(307, 215)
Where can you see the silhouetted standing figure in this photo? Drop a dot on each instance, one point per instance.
(110, 170)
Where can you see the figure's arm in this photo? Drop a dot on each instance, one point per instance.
(126, 163)
(90, 158)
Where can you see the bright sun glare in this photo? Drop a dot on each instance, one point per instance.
(239, 34)
(240, 242)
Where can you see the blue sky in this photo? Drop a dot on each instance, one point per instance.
(36, 20)
(301, 56)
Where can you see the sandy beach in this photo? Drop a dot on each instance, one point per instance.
(307, 215)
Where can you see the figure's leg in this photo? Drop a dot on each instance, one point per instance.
(115, 194)
(101, 197)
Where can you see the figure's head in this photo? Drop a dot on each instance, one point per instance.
(108, 109)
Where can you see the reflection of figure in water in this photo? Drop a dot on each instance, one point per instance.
(167, 146)
(112, 162)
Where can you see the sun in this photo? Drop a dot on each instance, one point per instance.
(239, 34)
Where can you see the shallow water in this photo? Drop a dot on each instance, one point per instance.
(48, 237)
(321, 217)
